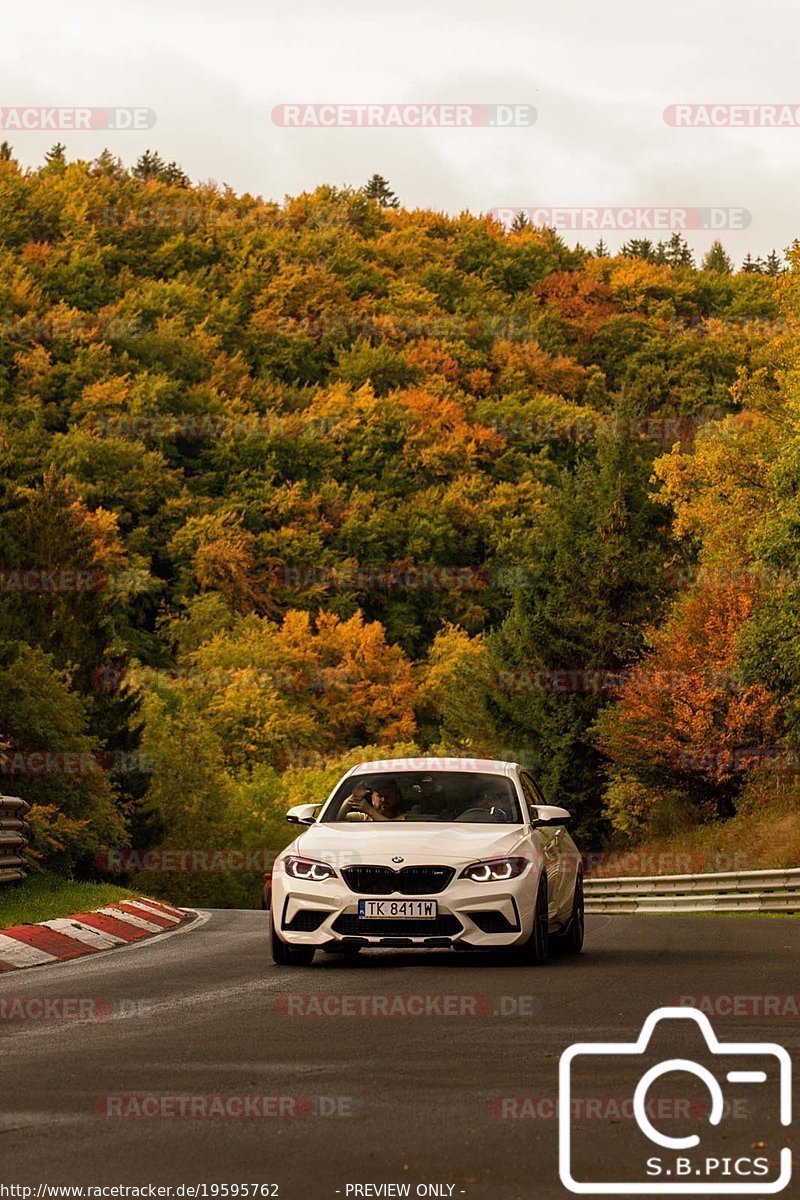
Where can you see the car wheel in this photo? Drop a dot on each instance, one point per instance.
(284, 955)
(572, 940)
(536, 949)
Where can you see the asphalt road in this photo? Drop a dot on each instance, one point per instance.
(378, 1099)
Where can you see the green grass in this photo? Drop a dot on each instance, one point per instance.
(42, 897)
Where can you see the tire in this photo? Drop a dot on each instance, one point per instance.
(571, 942)
(284, 955)
(535, 951)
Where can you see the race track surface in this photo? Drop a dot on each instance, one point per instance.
(406, 1099)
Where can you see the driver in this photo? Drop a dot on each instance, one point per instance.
(383, 805)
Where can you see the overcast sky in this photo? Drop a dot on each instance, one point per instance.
(599, 75)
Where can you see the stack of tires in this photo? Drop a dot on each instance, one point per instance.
(13, 841)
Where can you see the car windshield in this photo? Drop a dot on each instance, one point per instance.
(461, 797)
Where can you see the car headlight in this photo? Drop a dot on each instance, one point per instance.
(307, 868)
(494, 870)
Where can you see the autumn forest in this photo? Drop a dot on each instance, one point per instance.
(286, 485)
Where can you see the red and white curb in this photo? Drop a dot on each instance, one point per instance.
(86, 933)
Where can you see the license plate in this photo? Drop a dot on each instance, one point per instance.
(419, 910)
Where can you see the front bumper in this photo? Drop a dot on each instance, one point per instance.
(470, 915)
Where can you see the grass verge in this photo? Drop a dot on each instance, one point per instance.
(751, 841)
(43, 897)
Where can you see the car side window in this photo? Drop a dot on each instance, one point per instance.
(530, 793)
(536, 789)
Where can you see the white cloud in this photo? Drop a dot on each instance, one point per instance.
(600, 77)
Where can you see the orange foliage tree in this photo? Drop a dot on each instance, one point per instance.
(686, 725)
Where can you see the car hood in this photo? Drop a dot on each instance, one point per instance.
(429, 844)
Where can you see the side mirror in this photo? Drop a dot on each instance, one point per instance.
(303, 814)
(549, 815)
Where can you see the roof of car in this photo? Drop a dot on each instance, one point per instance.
(485, 766)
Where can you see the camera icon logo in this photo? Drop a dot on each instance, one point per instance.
(681, 1166)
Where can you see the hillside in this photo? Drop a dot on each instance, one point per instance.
(281, 481)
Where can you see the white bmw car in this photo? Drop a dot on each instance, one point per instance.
(432, 853)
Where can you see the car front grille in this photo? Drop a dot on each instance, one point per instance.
(352, 925)
(409, 881)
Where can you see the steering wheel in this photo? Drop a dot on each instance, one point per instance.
(481, 816)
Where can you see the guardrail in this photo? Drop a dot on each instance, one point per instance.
(13, 828)
(725, 891)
